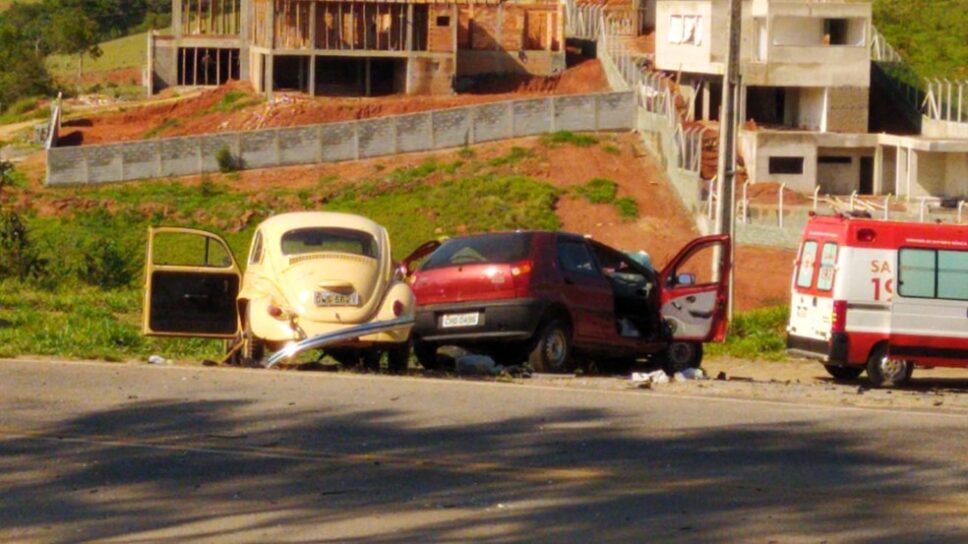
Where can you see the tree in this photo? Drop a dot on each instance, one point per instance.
(73, 32)
(22, 70)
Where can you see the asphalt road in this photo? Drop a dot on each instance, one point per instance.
(132, 453)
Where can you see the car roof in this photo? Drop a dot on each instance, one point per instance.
(277, 225)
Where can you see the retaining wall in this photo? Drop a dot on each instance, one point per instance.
(425, 131)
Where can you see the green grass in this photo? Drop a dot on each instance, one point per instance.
(758, 334)
(156, 130)
(64, 312)
(564, 137)
(514, 155)
(627, 208)
(127, 52)
(599, 191)
(931, 35)
(233, 101)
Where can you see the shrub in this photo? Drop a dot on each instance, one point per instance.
(107, 265)
(599, 191)
(568, 137)
(627, 208)
(757, 334)
(227, 162)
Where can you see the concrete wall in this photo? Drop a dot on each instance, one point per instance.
(932, 128)
(423, 131)
(847, 109)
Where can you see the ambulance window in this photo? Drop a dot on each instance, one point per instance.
(808, 258)
(828, 262)
(917, 273)
(953, 275)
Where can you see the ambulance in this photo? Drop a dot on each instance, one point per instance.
(881, 297)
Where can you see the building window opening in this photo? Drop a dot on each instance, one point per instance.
(443, 20)
(786, 165)
(685, 30)
(836, 31)
(291, 73)
(203, 66)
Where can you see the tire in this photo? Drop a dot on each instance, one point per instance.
(426, 355)
(682, 355)
(253, 348)
(882, 371)
(398, 358)
(551, 348)
(844, 372)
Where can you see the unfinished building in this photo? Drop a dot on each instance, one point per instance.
(356, 48)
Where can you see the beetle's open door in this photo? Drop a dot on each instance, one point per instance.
(191, 283)
(695, 293)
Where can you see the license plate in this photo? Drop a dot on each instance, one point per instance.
(329, 298)
(460, 320)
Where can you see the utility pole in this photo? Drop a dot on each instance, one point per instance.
(729, 125)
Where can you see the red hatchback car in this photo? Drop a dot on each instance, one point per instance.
(547, 296)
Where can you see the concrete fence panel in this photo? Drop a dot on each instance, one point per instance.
(532, 117)
(455, 127)
(452, 128)
(260, 149)
(298, 145)
(376, 137)
(141, 160)
(615, 111)
(180, 156)
(337, 142)
(493, 122)
(66, 165)
(211, 147)
(414, 132)
(105, 163)
(574, 112)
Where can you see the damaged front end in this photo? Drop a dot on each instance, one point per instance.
(343, 335)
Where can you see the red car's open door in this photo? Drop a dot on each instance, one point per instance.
(695, 293)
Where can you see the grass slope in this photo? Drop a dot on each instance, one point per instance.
(931, 35)
(127, 52)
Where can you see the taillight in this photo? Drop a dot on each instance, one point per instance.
(521, 277)
(275, 311)
(838, 322)
(397, 308)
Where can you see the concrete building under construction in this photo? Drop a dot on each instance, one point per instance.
(355, 47)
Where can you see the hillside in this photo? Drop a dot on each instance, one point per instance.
(932, 35)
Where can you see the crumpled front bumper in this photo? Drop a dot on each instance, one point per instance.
(342, 335)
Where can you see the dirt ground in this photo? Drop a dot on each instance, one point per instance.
(200, 115)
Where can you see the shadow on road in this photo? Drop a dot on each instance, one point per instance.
(168, 471)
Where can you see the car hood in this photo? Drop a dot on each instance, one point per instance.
(336, 273)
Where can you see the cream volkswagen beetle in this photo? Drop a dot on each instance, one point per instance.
(313, 280)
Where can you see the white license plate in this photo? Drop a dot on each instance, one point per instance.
(329, 298)
(460, 320)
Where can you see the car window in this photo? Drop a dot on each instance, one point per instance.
(576, 258)
(917, 273)
(484, 249)
(329, 239)
(828, 263)
(953, 275)
(808, 258)
(189, 249)
(255, 255)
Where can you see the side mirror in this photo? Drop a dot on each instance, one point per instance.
(685, 280)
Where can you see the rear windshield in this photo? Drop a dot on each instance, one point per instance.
(487, 249)
(329, 239)
(808, 258)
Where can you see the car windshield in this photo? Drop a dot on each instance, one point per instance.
(329, 239)
(486, 249)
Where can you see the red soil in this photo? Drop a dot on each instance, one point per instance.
(197, 115)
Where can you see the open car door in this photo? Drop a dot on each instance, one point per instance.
(191, 285)
(694, 293)
(425, 249)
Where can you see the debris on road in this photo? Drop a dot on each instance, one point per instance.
(478, 364)
(645, 380)
(158, 360)
(689, 374)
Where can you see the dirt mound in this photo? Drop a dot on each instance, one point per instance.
(235, 107)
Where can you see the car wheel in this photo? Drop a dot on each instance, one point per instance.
(253, 348)
(844, 372)
(883, 371)
(551, 348)
(682, 355)
(398, 358)
(426, 354)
